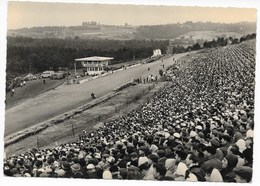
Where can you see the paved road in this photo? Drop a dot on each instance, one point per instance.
(67, 97)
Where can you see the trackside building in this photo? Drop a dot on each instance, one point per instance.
(95, 64)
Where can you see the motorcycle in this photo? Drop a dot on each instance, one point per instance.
(93, 96)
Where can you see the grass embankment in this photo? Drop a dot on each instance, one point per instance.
(30, 90)
(90, 119)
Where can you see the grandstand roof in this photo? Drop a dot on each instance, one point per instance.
(94, 58)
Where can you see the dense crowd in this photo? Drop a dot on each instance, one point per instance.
(198, 128)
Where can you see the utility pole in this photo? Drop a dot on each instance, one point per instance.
(75, 68)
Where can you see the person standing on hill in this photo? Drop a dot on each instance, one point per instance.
(12, 93)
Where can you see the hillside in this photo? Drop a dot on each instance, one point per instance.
(128, 32)
(200, 37)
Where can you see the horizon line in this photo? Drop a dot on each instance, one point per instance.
(132, 25)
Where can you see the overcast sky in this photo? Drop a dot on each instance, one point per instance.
(30, 14)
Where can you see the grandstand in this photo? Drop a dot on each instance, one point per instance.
(200, 127)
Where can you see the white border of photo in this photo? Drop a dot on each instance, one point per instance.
(203, 3)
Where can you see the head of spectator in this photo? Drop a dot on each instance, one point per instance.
(180, 155)
(107, 175)
(170, 167)
(209, 151)
(243, 174)
(241, 145)
(153, 158)
(215, 176)
(191, 160)
(229, 162)
(248, 157)
(159, 171)
(133, 173)
(180, 172)
(191, 177)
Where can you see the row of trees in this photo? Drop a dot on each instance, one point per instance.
(221, 41)
(41, 54)
(37, 55)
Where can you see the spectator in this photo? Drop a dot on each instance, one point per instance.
(243, 174)
(159, 172)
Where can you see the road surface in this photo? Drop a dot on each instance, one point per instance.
(67, 97)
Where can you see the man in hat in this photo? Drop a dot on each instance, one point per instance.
(180, 156)
(152, 160)
(161, 153)
(210, 160)
(229, 162)
(134, 159)
(91, 172)
(76, 170)
(225, 143)
(192, 162)
(159, 172)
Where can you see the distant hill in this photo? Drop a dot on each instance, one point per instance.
(200, 37)
(83, 32)
(155, 32)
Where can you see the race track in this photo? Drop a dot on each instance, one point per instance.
(67, 97)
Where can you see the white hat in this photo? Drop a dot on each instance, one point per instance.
(27, 175)
(176, 135)
(199, 127)
(193, 134)
(90, 166)
(142, 160)
(181, 169)
(241, 145)
(60, 172)
(250, 133)
(107, 175)
(192, 177)
(111, 159)
(97, 155)
(215, 176)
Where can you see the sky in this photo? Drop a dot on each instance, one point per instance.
(31, 14)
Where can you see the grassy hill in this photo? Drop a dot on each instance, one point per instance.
(200, 37)
(30, 90)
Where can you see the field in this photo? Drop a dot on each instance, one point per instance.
(210, 35)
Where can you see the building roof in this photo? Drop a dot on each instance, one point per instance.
(94, 58)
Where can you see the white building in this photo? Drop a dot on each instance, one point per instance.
(95, 64)
(157, 53)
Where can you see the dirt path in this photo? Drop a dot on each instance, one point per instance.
(89, 120)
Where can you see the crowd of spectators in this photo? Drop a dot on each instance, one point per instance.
(198, 128)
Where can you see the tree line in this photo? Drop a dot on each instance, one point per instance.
(221, 41)
(37, 55)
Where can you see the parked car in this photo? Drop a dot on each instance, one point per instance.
(47, 74)
(58, 75)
